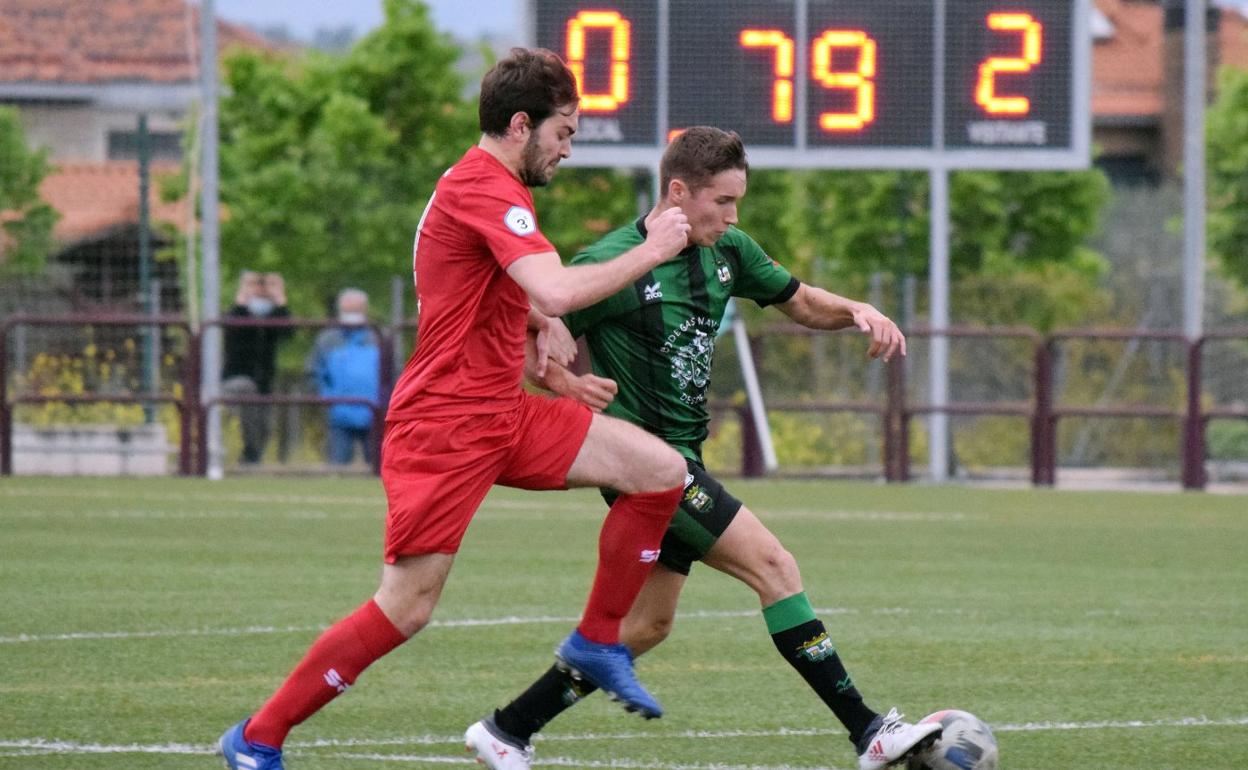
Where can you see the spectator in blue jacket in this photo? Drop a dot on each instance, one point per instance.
(345, 363)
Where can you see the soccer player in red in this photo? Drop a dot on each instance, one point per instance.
(460, 422)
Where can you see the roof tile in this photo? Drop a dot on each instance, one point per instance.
(97, 41)
(92, 197)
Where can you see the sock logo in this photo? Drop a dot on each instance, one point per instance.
(844, 685)
(818, 648)
(649, 556)
(335, 680)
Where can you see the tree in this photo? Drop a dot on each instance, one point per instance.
(327, 161)
(1226, 143)
(25, 220)
(1024, 229)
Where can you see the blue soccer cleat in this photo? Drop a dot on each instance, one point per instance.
(610, 666)
(241, 755)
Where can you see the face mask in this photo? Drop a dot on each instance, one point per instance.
(355, 319)
(259, 306)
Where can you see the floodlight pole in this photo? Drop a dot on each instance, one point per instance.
(1195, 65)
(938, 271)
(210, 250)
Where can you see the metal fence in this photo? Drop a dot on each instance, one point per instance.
(1042, 408)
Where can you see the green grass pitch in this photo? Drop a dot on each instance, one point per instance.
(140, 618)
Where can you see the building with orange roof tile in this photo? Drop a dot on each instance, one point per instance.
(1137, 81)
(80, 74)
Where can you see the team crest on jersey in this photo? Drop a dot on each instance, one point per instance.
(691, 364)
(724, 273)
(520, 220)
(697, 498)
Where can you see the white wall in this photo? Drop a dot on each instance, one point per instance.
(78, 133)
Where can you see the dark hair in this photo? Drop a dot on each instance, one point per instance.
(532, 81)
(698, 154)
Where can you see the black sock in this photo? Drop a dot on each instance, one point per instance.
(547, 698)
(803, 642)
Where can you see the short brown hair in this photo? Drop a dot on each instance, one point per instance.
(698, 154)
(532, 81)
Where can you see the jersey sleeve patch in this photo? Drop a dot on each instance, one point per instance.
(520, 221)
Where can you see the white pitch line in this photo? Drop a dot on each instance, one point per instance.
(574, 762)
(33, 746)
(1201, 721)
(510, 620)
(46, 746)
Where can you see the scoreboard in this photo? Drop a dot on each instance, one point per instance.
(830, 83)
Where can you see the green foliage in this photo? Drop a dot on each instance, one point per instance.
(1226, 145)
(25, 220)
(327, 161)
(1228, 440)
(1021, 228)
(583, 204)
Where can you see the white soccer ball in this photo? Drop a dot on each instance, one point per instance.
(966, 743)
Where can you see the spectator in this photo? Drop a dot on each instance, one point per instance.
(251, 355)
(344, 364)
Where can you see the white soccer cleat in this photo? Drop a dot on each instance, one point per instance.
(895, 740)
(495, 749)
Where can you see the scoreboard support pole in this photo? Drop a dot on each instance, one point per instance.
(938, 283)
(938, 269)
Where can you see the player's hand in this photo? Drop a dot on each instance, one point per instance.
(591, 390)
(562, 346)
(668, 233)
(275, 285)
(542, 343)
(886, 339)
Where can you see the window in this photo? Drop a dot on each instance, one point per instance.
(162, 145)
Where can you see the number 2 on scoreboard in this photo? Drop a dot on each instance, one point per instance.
(986, 95)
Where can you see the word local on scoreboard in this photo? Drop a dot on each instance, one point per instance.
(832, 83)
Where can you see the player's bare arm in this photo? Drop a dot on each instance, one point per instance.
(556, 289)
(817, 308)
(590, 389)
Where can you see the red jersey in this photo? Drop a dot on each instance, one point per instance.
(469, 356)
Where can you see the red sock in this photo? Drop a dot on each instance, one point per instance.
(331, 665)
(627, 549)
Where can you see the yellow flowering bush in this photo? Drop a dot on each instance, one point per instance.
(96, 371)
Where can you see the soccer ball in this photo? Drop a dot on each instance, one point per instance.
(965, 743)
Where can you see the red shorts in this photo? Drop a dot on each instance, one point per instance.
(437, 471)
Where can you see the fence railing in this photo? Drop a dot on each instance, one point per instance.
(193, 410)
(187, 404)
(1041, 410)
(894, 411)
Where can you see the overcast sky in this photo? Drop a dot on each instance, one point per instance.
(467, 19)
(463, 18)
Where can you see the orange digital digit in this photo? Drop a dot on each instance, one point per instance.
(1032, 33)
(620, 29)
(782, 68)
(860, 79)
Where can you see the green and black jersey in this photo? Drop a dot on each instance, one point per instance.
(656, 338)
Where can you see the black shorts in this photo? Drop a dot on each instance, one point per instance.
(705, 511)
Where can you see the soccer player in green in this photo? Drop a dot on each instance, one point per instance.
(655, 341)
